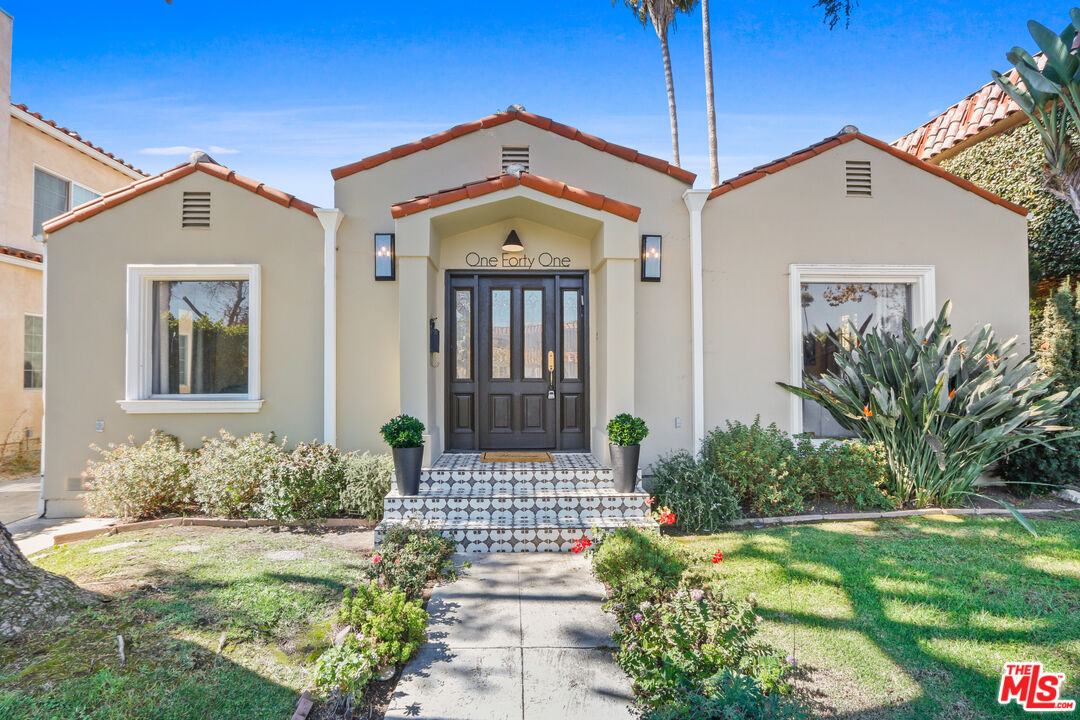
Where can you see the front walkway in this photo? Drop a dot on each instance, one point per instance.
(520, 636)
(19, 497)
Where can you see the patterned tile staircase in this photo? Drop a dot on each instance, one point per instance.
(516, 507)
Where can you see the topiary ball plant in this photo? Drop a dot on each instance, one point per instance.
(404, 431)
(625, 429)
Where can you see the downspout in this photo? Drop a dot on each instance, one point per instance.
(695, 201)
(331, 219)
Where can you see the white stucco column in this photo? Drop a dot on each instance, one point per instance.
(331, 219)
(695, 201)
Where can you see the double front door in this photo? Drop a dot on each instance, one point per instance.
(516, 362)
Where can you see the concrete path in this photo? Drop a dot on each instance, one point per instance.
(19, 498)
(520, 636)
(33, 534)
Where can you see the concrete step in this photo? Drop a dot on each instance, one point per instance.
(514, 482)
(480, 536)
(517, 509)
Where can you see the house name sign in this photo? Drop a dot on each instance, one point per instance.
(516, 261)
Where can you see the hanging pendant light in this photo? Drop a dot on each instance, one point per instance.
(512, 244)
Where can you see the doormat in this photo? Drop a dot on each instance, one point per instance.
(508, 457)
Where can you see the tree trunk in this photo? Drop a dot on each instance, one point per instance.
(670, 98)
(710, 97)
(30, 596)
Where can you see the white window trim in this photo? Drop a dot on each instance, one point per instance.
(65, 178)
(35, 389)
(139, 331)
(923, 305)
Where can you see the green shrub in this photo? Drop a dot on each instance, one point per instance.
(384, 620)
(404, 431)
(943, 408)
(344, 670)
(762, 465)
(229, 473)
(367, 480)
(139, 481)
(853, 473)
(305, 485)
(1041, 468)
(700, 498)
(625, 429)
(729, 695)
(409, 558)
(683, 637)
(635, 565)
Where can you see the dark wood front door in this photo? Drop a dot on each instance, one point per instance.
(516, 366)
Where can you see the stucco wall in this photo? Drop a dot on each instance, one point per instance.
(662, 344)
(20, 408)
(29, 147)
(87, 307)
(801, 215)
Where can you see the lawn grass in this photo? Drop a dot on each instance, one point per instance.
(175, 591)
(911, 618)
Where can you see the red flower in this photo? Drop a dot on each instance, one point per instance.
(718, 557)
(652, 500)
(376, 558)
(583, 543)
(666, 518)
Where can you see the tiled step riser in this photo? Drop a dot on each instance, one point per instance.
(458, 477)
(509, 539)
(515, 510)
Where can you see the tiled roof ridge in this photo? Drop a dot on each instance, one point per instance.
(839, 139)
(121, 195)
(499, 118)
(973, 115)
(75, 136)
(21, 254)
(493, 183)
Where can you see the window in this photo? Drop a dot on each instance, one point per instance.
(832, 298)
(33, 352)
(193, 340)
(54, 195)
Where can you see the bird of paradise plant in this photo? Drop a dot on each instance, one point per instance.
(943, 407)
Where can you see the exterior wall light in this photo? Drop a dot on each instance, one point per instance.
(651, 248)
(512, 244)
(385, 263)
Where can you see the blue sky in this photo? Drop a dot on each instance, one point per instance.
(283, 91)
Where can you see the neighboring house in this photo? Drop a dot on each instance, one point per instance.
(45, 170)
(559, 280)
(987, 139)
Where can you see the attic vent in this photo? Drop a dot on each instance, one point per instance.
(857, 176)
(195, 214)
(515, 156)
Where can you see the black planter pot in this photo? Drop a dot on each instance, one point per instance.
(624, 466)
(407, 464)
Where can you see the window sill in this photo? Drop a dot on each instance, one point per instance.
(163, 407)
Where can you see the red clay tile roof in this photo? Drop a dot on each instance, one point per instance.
(120, 195)
(971, 117)
(75, 136)
(836, 140)
(596, 201)
(20, 253)
(504, 117)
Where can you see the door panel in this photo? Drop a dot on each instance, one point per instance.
(516, 376)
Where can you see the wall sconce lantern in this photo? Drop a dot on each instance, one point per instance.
(384, 256)
(512, 244)
(651, 246)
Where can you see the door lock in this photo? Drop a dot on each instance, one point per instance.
(551, 375)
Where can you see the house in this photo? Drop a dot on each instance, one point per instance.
(513, 282)
(988, 140)
(45, 170)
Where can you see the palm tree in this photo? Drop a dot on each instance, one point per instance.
(710, 97)
(661, 14)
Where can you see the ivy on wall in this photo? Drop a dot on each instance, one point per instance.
(1010, 165)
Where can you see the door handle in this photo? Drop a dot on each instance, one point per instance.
(551, 374)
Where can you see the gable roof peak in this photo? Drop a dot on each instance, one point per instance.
(520, 115)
